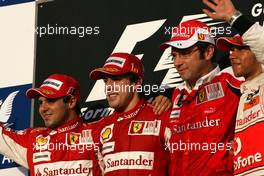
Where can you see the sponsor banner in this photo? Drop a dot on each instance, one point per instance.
(15, 112)
(63, 168)
(129, 160)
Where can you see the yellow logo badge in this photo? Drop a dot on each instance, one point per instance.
(137, 126)
(40, 140)
(74, 138)
(106, 134)
(201, 96)
(201, 37)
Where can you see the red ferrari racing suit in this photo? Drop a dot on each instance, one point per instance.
(66, 150)
(133, 143)
(202, 124)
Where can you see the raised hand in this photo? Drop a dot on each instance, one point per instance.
(223, 9)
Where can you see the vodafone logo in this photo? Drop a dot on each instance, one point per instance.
(237, 145)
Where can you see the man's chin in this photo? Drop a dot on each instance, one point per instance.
(238, 74)
(50, 125)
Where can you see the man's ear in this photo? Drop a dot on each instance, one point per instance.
(138, 83)
(209, 53)
(72, 102)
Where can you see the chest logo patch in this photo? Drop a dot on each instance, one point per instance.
(74, 138)
(107, 133)
(210, 92)
(42, 142)
(137, 126)
(144, 127)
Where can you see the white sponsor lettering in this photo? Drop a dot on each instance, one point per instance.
(196, 125)
(249, 118)
(118, 61)
(53, 83)
(129, 160)
(247, 161)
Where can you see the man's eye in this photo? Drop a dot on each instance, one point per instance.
(40, 102)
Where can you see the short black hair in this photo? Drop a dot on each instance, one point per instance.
(132, 77)
(77, 106)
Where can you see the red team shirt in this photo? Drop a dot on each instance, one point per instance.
(133, 143)
(202, 125)
(66, 150)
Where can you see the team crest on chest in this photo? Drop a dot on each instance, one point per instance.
(137, 126)
(210, 92)
(74, 138)
(144, 127)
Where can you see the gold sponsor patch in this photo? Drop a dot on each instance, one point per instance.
(106, 134)
(40, 140)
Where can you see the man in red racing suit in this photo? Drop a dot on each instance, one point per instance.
(66, 146)
(202, 120)
(132, 139)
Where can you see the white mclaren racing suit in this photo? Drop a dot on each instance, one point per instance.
(248, 142)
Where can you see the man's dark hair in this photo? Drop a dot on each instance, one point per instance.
(135, 78)
(77, 106)
(202, 46)
(132, 77)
